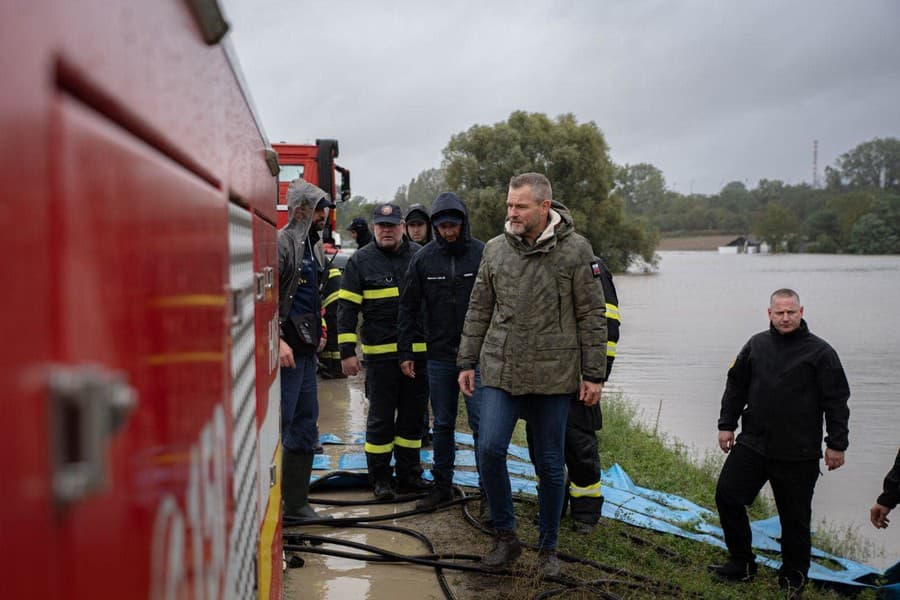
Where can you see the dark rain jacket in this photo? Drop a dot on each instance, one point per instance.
(781, 386)
(536, 321)
(371, 284)
(590, 418)
(891, 495)
(441, 275)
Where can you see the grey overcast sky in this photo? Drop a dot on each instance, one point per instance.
(707, 91)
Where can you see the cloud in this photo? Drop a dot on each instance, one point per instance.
(708, 92)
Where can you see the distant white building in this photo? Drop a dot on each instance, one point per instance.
(743, 245)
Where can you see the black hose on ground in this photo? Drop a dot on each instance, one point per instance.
(295, 542)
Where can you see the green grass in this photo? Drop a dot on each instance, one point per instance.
(656, 462)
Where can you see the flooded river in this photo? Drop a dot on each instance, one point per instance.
(682, 326)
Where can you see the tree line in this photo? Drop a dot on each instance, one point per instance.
(857, 210)
(623, 209)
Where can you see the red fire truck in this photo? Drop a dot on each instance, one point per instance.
(139, 438)
(315, 164)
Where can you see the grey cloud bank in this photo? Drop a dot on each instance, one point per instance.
(709, 92)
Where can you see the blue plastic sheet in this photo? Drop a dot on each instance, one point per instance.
(650, 509)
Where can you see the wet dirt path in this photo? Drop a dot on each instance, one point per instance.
(342, 412)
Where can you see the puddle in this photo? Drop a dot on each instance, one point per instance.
(342, 411)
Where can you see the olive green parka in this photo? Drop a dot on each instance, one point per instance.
(536, 321)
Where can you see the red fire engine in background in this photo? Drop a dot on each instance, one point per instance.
(139, 438)
(315, 164)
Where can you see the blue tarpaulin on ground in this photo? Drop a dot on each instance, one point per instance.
(641, 507)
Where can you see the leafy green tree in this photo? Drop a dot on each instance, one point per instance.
(776, 225)
(422, 189)
(872, 164)
(574, 156)
(871, 235)
(642, 187)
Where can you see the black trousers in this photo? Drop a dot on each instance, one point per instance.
(582, 454)
(793, 482)
(394, 422)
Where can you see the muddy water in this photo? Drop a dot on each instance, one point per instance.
(683, 326)
(342, 411)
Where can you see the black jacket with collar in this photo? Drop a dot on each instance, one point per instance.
(371, 284)
(440, 280)
(780, 387)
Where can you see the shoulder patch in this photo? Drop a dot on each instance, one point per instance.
(595, 269)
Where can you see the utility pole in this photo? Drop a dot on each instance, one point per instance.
(815, 177)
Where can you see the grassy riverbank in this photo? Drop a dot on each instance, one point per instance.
(655, 463)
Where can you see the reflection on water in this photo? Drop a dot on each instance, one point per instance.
(682, 327)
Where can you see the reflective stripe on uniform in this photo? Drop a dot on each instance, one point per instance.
(331, 298)
(334, 273)
(348, 295)
(420, 347)
(379, 448)
(611, 349)
(380, 349)
(391, 292)
(405, 443)
(591, 491)
(612, 312)
(329, 354)
(347, 338)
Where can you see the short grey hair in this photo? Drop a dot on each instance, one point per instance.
(540, 185)
(784, 293)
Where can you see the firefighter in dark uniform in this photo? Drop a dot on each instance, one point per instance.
(584, 496)
(371, 283)
(330, 356)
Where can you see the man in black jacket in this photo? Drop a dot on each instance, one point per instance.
(371, 283)
(889, 498)
(438, 283)
(781, 385)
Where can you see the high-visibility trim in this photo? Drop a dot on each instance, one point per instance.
(270, 526)
(333, 296)
(405, 443)
(591, 491)
(348, 295)
(347, 338)
(611, 349)
(391, 292)
(612, 312)
(380, 448)
(420, 347)
(329, 354)
(380, 348)
(334, 273)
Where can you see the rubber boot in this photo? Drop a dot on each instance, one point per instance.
(296, 470)
(440, 493)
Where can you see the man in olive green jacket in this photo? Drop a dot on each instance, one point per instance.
(536, 326)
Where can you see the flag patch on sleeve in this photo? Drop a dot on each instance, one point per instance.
(595, 269)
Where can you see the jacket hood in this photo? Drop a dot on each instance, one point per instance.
(418, 210)
(448, 201)
(560, 224)
(304, 195)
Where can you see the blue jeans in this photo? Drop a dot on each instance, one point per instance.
(299, 405)
(442, 380)
(547, 416)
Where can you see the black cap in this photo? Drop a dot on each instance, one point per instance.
(358, 224)
(387, 213)
(417, 213)
(448, 216)
(324, 202)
